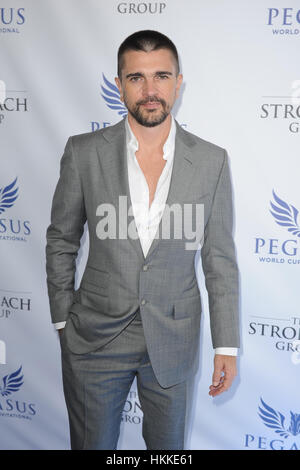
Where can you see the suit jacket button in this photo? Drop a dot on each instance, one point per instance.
(143, 302)
(145, 267)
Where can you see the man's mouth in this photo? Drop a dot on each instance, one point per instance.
(151, 104)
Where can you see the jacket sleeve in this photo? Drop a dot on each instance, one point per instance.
(63, 236)
(220, 266)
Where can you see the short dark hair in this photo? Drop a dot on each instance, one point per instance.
(146, 41)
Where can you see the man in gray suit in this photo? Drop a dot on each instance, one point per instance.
(137, 310)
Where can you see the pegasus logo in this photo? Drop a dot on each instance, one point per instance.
(112, 98)
(285, 215)
(275, 420)
(8, 195)
(11, 383)
(274, 250)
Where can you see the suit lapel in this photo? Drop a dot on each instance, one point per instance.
(182, 173)
(114, 163)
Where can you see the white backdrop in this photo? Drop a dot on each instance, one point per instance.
(241, 91)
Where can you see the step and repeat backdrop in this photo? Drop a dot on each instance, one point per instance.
(241, 91)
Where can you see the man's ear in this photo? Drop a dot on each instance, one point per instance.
(119, 85)
(178, 85)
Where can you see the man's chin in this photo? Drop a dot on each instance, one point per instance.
(150, 120)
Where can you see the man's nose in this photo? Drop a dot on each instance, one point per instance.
(149, 88)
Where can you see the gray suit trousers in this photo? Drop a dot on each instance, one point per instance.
(96, 386)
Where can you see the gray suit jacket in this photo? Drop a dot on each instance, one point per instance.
(117, 277)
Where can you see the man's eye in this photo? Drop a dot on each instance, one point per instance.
(135, 79)
(163, 77)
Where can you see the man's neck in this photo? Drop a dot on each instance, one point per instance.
(151, 137)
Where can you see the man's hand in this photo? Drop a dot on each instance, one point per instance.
(60, 331)
(225, 371)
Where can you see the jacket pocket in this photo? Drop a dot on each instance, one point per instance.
(95, 281)
(188, 307)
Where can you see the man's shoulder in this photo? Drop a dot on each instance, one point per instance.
(195, 140)
(90, 138)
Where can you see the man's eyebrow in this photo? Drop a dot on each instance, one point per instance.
(139, 74)
(135, 74)
(163, 72)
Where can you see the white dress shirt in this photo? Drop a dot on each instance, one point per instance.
(147, 219)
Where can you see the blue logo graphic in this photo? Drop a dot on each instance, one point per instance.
(8, 195)
(285, 215)
(11, 383)
(9, 16)
(285, 20)
(112, 97)
(275, 420)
